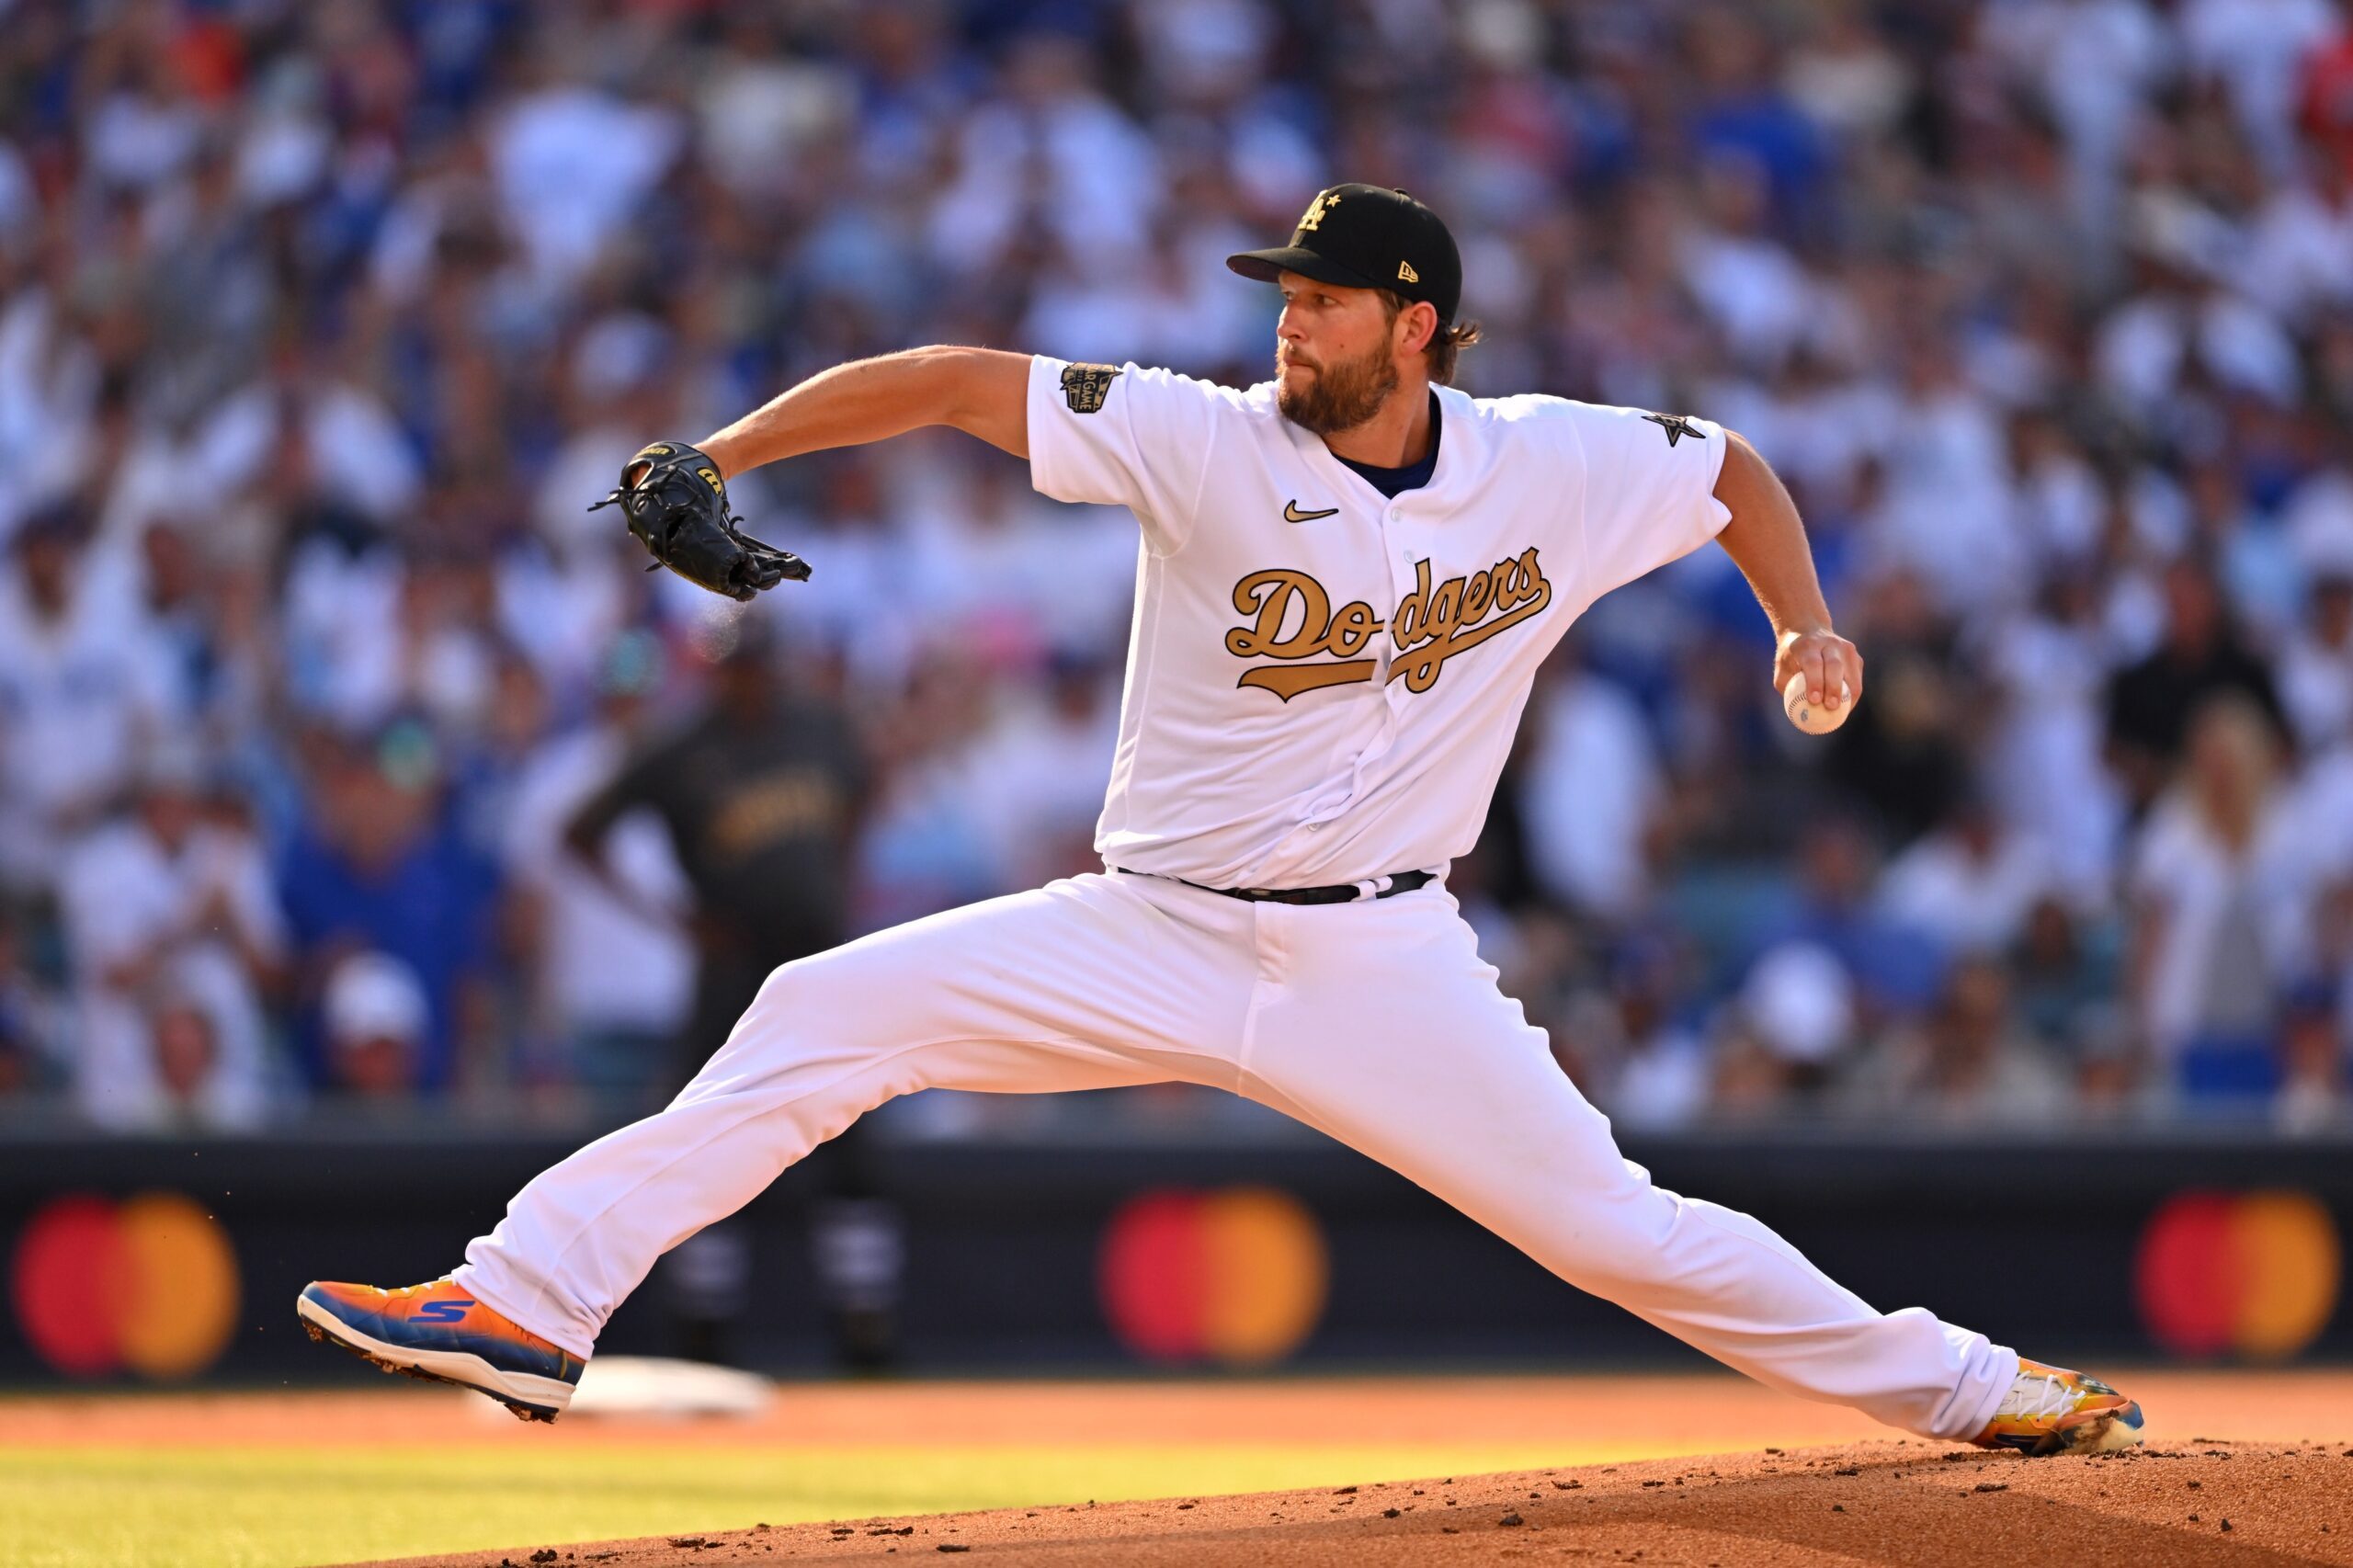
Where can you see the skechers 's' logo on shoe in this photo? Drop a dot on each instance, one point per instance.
(442, 1312)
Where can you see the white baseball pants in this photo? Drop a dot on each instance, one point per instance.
(1375, 1022)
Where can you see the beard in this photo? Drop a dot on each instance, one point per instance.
(1343, 394)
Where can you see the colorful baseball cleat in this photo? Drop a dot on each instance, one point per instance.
(2051, 1410)
(437, 1331)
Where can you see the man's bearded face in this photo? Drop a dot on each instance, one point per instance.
(1341, 394)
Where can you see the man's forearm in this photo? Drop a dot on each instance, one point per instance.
(977, 390)
(1767, 541)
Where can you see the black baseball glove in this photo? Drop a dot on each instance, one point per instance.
(677, 505)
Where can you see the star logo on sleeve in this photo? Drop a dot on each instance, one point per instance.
(1677, 427)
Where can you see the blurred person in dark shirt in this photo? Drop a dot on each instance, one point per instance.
(761, 795)
(1901, 754)
(2150, 703)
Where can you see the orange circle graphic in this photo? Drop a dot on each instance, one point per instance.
(2286, 1249)
(1267, 1275)
(1237, 1277)
(182, 1301)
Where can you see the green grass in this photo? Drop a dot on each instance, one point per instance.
(264, 1508)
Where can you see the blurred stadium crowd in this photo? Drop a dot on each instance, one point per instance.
(343, 754)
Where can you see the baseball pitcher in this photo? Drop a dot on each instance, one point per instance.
(1347, 577)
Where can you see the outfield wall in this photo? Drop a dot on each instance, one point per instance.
(146, 1262)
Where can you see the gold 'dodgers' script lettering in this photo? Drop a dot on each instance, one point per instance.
(1433, 623)
(1270, 596)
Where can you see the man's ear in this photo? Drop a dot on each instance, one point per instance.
(1416, 327)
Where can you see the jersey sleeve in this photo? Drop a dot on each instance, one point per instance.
(1650, 482)
(1123, 436)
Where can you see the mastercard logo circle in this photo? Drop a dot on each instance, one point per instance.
(2252, 1274)
(148, 1285)
(1235, 1277)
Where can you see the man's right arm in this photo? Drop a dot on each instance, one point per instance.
(981, 391)
(642, 781)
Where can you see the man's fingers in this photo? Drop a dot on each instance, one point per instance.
(1811, 662)
(1835, 685)
(1832, 669)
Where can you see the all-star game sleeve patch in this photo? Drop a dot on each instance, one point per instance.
(1086, 386)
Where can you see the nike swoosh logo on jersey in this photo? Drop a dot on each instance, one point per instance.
(1292, 513)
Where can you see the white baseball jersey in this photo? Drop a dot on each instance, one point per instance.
(1323, 682)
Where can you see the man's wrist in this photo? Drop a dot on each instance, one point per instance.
(725, 453)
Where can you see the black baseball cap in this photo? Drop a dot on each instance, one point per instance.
(1363, 237)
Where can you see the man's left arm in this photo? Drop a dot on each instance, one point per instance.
(1767, 541)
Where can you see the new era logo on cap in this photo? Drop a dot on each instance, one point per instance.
(1365, 236)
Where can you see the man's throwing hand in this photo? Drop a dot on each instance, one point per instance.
(1820, 677)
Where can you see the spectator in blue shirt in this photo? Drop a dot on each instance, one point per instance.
(378, 863)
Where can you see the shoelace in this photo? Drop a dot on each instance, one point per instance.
(2035, 1395)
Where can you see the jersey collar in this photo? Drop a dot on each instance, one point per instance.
(1454, 432)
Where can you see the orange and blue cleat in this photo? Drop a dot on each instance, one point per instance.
(439, 1332)
(2051, 1410)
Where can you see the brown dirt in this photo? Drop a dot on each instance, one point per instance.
(1895, 1502)
(2288, 1473)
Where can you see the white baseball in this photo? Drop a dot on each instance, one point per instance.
(1815, 719)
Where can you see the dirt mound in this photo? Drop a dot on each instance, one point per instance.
(2207, 1501)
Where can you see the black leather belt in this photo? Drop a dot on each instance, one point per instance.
(1337, 892)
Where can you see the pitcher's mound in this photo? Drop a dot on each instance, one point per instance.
(2207, 1502)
